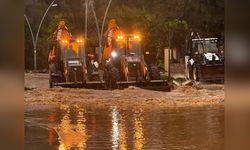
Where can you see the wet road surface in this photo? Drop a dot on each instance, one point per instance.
(133, 118)
(113, 127)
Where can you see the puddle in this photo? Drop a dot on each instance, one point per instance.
(79, 127)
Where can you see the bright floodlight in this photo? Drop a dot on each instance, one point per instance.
(120, 37)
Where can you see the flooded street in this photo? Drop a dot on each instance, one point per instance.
(133, 118)
(80, 127)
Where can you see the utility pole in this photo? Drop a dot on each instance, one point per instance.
(86, 21)
(169, 56)
(92, 7)
(92, 18)
(91, 21)
(104, 18)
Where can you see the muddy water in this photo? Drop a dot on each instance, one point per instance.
(79, 127)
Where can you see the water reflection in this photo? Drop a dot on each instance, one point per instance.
(138, 130)
(92, 138)
(115, 130)
(51, 124)
(118, 132)
(122, 133)
(72, 135)
(75, 127)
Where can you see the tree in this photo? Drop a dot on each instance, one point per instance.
(162, 23)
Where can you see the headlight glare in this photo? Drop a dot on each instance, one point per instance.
(114, 54)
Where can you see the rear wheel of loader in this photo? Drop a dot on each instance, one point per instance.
(100, 74)
(115, 74)
(51, 82)
(51, 69)
(111, 77)
(154, 73)
(83, 80)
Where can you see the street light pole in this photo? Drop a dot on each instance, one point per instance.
(32, 35)
(35, 40)
(35, 49)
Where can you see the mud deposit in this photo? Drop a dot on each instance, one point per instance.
(132, 118)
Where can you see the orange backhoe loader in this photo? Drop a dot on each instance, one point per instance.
(123, 61)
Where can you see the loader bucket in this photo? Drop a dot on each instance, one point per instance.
(157, 85)
(213, 72)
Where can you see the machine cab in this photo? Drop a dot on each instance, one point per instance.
(207, 45)
(119, 46)
(128, 45)
(204, 60)
(72, 49)
(134, 46)
(69, 64)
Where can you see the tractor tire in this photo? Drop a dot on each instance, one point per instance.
(154, 73)
(101, 75)
(114, 74)
(52, 69)
(51, 82)
(111, 76)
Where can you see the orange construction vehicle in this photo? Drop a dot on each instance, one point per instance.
(124, 63)
(67, 64)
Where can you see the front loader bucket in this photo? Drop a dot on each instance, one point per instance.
(69, 84)
(87, 84)
(95, 84)
(158, 85)
(212, 72)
